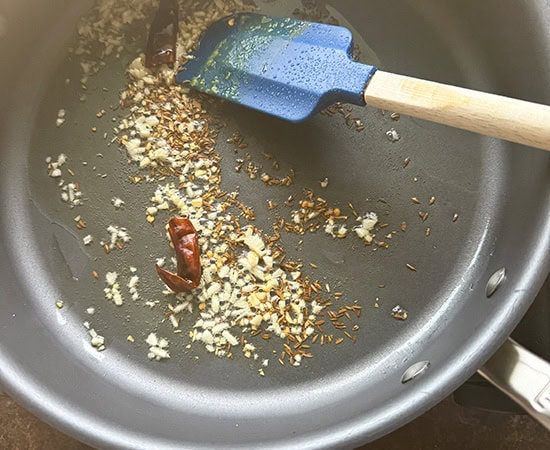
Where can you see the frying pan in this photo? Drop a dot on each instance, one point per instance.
(346, 395)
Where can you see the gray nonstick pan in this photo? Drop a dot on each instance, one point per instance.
(460, 247)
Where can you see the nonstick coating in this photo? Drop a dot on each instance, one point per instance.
(346, 395)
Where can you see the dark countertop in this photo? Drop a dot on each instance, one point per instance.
(446, 426)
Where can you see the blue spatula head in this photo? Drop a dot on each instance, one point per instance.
(285, 67)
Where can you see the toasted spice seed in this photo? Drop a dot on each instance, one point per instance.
(406, 162)
(106, 249)
(423, 215)
(119, 245)
(395, 116)
(428, 231)
(353, 211)
(404, 226)
(415, 200)
(281, 362)
(266, 336)
(314, 338)
(338, 294)
(431, 201)
(95, 274)
(411, 267)
(339, 341)
(313, 265)
(348, 335)
(70, 172)
(455, 217)
(384, 225)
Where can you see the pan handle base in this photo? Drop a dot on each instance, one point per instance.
(523, 376)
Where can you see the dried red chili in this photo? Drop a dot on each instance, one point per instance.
(186, 243)
(161, 43)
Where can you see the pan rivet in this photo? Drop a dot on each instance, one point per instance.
(415, 370)
(495, 280)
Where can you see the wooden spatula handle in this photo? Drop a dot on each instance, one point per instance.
(493, 115)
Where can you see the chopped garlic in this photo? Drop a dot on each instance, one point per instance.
(158, 348)
(112, 291)
(96, 340)
(111, 277)
(366, 225)
(393, 135)
(117, 202)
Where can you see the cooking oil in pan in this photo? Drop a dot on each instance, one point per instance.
(239, 171)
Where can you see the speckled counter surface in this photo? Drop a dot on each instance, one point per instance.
(447, 426)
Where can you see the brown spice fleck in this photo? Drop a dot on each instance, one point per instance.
(411, 267)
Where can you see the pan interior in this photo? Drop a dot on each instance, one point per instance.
(466, 175)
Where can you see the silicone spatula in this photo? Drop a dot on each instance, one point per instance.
(292, 68)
